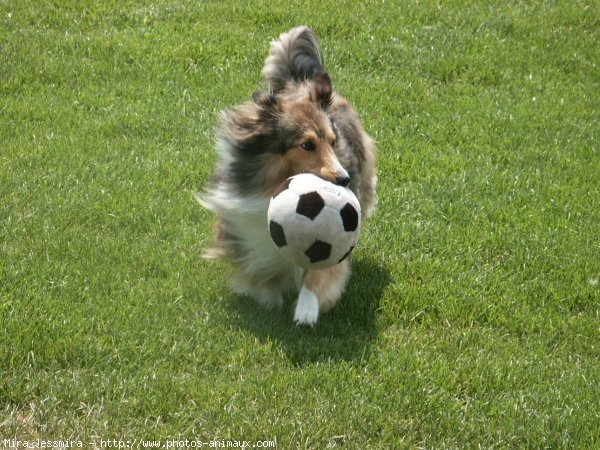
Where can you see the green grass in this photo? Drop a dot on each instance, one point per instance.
(472, 319)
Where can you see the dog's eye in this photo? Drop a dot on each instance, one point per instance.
(309, 146)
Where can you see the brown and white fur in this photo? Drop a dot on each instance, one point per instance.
(298, 125)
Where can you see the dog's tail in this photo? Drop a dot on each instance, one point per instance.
(295, 56)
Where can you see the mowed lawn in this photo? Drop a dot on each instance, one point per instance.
(473, 315)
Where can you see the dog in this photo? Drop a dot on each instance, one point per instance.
(298, 125)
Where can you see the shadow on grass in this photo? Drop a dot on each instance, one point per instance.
(344, 333)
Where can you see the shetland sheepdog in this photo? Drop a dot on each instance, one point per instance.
(297, 125)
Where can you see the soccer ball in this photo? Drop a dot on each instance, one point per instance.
(314, 223)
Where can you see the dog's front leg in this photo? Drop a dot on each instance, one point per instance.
(320, 291)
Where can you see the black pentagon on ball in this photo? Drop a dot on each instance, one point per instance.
(349, 217)
(277, 234)
(282, 187)
(318, 251)
(310, 205)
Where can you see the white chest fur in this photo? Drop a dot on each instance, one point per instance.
(246, 219)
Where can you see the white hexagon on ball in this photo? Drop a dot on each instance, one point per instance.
(314, 223)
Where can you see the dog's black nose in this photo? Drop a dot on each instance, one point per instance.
(342, 181)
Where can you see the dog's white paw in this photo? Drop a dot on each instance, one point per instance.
(307, 308)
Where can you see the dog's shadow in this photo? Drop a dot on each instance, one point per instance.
(344, 333)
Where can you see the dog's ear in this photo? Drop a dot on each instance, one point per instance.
(321, 90)
(264, 99)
